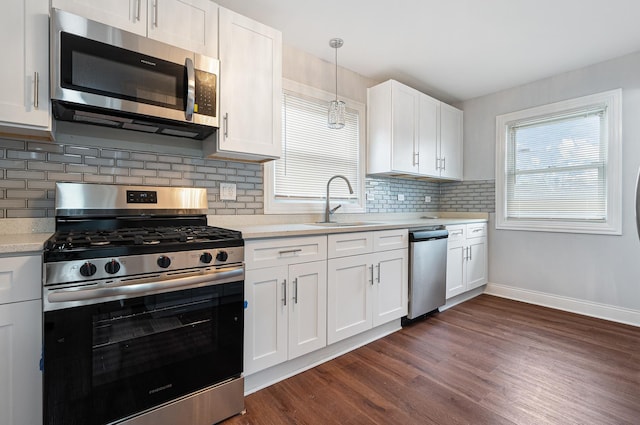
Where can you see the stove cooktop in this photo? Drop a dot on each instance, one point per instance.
(86, 244)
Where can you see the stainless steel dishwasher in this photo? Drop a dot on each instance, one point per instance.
(427, 270)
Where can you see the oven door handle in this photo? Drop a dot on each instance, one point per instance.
(147, 288)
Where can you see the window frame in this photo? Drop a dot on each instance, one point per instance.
(612, 100)
(293, 206)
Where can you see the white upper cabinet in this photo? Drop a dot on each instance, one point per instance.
(128, 15)
(250, 90)
(412, 134)
(188, 24)
(450, 152)
(24, 75)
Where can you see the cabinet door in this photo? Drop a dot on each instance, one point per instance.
(456, 270)
(476, 262)
(189, 24)
(450, 142)
(20, 350)
(20, 278)
(265, 331)
(405, 112)
(390, 289)
(429, 124)
(307, 308)
(349, 281)
(128, 15)
(24, 75)
(250, 88)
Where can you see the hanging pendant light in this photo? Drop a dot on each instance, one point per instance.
(336, 107)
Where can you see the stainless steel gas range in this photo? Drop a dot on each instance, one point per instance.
(143, 309)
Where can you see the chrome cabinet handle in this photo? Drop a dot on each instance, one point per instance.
(36, 84)
(378, 266)
(371, 281)
(191, 89)
(284, 291)
(479, 229)
(444, 163)
(155, 13)
(295, 290)
(225, 122)
(470, 254)
(290, 251)
(138, 10)
(416, 158)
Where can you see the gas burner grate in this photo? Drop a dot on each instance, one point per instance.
(138, 237)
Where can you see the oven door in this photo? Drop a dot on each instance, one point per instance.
(109, 361)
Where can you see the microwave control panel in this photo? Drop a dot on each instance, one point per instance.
(205, 93)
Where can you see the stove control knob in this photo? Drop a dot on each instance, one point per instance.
(164, 261)
(112, 267)
(206, 257)
(222, 256)
(87, 269)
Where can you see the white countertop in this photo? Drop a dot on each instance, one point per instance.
(252, 227)
(270, 230)
(22, 242)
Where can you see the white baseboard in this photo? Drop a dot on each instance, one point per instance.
(573, 305)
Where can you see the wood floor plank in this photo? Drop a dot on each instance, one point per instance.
(487, 361)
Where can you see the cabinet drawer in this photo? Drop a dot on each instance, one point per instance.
(457, 232)
(281, 251)
(345, 244)
(476, 230)
(20, 278)
(385, 240)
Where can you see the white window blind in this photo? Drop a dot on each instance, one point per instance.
(312, 153)
(557, 167)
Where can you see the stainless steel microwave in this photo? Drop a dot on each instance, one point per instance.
(105, 76)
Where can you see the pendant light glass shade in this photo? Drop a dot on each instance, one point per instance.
(336, 107)
(336, 114)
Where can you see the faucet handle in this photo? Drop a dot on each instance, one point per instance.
(332, 210)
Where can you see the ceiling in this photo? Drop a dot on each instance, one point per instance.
(455, 49)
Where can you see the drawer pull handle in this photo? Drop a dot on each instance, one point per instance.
(290, 251)
(477, 230)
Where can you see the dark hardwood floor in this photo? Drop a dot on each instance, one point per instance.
(486, 361)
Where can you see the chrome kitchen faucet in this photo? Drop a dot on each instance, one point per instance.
(327, 209)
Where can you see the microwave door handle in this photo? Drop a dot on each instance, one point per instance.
(191, 89)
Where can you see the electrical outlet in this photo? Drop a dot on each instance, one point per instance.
(427, 199)
(400, 197)
(227, 191)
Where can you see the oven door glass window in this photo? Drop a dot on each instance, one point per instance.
(109, 361)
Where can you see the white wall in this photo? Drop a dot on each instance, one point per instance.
(591, 268)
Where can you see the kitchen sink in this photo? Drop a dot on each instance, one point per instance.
(345, 224)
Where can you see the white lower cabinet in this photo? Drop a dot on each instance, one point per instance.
(365, 290)
(286, 304)
(20, 340)
(466, 258)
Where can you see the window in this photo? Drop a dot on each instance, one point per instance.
(559, 166)
(312, 153)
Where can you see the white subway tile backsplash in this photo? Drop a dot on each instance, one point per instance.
(29, 171)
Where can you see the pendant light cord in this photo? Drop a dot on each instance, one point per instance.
(336, 49)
